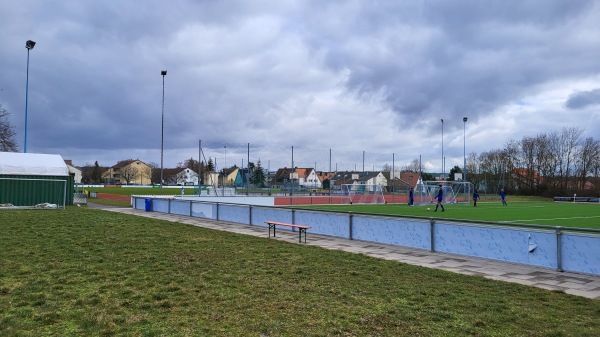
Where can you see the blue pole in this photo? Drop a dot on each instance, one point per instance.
(465, 147)
(26, 100)
(443, 162)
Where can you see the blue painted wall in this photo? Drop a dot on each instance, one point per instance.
(552, 248)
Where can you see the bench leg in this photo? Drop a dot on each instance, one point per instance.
(300, 230)
(271, 226)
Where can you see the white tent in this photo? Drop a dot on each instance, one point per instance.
(13, 163)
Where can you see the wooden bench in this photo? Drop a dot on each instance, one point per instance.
(301, 228)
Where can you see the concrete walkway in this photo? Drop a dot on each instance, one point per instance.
(571, 283)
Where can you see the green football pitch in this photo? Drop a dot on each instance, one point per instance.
(537, 213)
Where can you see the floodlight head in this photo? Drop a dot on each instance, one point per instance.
(465, 119)
(29, 44)
(442, 120)
(163, 72)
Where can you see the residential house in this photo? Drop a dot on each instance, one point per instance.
(187, 177)
(402, 181)
(242, 178)
(410, 178)
(298, 178)
(131, 171)
(211, 179)
(228, 175)
(359, 178)
(325, 176)
(75, 172)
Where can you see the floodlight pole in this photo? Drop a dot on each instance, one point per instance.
(29, 45)
(162, 128)
(443, 163)
(465, 148)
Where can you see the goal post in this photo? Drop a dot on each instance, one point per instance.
(363, 194)
(454, 192)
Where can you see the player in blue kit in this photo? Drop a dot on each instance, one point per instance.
(503, 197)
(440, 197)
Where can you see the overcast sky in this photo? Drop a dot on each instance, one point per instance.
(350, 76)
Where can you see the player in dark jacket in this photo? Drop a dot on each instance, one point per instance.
(440, 197)
(475, 198)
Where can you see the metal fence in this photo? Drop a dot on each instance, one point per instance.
(79, 199)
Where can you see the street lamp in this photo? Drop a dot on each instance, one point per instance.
(465, 148)
(443, 169)
(162, 130)
(29, 45)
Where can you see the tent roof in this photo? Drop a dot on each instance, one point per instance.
(13, 163)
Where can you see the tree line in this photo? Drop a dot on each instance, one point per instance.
(548, 164)
(553, 163)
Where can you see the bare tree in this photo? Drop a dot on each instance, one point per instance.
(413, 166)
(494, 170)
(129, 173)
(7, 134)
(570, 137)
(529, 165)
(154, 172)
(588, 158)
(546, 157)
(474, 169)
(191, 163)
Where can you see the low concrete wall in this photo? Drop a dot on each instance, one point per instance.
(563, 249)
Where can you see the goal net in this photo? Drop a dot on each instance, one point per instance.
(362, 194)
(454, 192)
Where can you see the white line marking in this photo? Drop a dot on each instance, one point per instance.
(550, 219)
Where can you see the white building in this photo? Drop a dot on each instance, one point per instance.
(187, 177)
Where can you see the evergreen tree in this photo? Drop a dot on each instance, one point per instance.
(96, 173)
(258, 175)
(427, 176)
(454, 170)
(210, 166)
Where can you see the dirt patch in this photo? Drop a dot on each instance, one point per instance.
(117, 197)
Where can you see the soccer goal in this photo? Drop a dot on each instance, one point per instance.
(363, 194)
(454, 192)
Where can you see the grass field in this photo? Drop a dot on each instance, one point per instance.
(87, 272)
(523, 210)
(539, 213)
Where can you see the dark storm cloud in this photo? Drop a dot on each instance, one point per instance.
(583, 99)
(462, 57)
(289, 72)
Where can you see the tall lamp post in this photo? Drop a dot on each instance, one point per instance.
(465, 147)
(29, 45)
(162, 129)
(443, 169)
